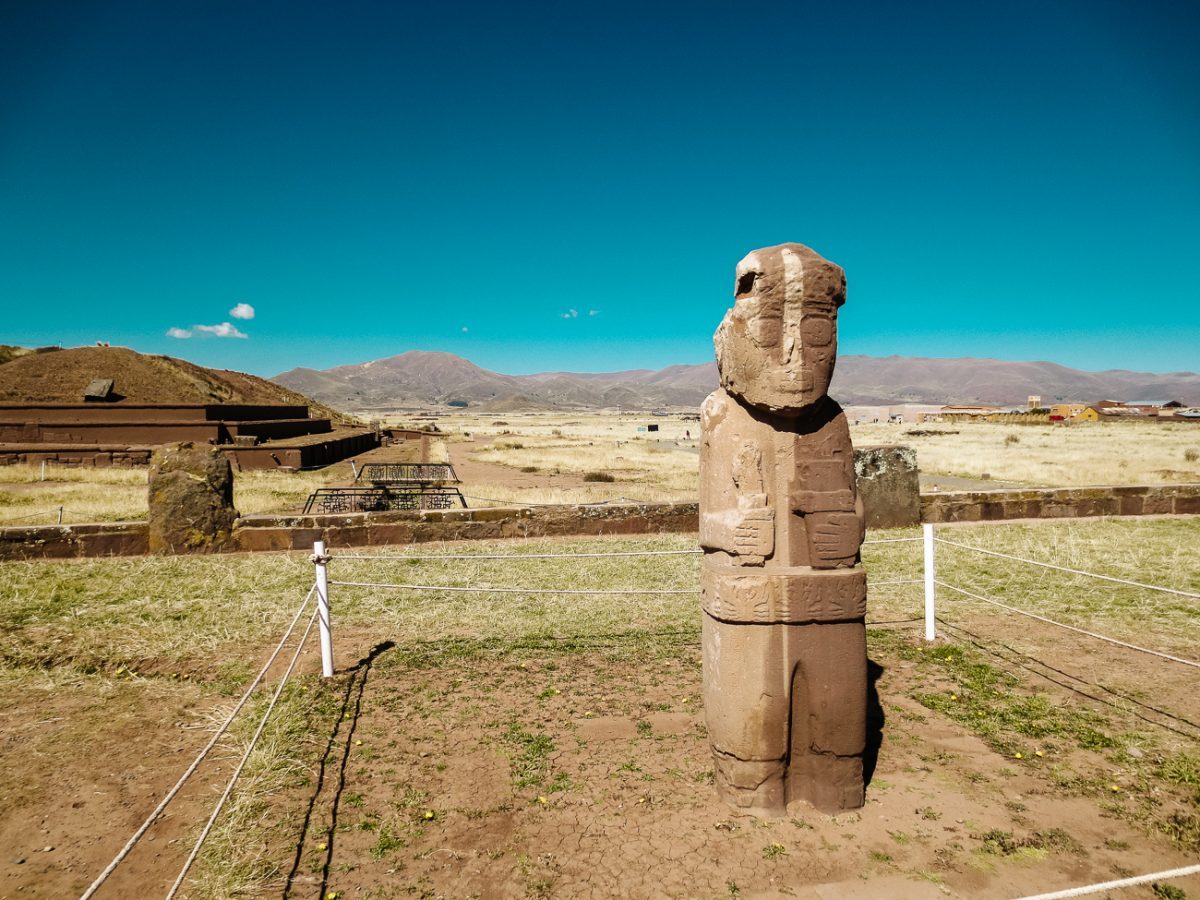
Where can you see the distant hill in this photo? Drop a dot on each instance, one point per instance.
(62, 375)
(425, 377)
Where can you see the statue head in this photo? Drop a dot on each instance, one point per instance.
(776, 347)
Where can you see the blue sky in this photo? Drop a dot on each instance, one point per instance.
(1016, 180)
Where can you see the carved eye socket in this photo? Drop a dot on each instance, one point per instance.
(745, 283)
(817, 331)
(766, 330)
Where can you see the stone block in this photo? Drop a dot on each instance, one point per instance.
(191, 500)
(888, 483)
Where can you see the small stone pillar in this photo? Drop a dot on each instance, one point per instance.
(191, 499)
(889, 484)
(783, 591)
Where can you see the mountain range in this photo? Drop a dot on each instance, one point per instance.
(420, 378)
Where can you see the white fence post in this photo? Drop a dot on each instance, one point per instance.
(60, 515)
(930, 584)
(320, 560)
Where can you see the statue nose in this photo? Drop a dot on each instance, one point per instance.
(792, 350)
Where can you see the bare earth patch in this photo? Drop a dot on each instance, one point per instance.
(547, 773)
(518, 745)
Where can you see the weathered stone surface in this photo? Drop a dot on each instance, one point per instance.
(191, 500)
(776, 347)
(781, 524)
(889, 485)
(65, 541)
(1060, 503)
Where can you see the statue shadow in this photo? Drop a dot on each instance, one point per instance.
(875, 721)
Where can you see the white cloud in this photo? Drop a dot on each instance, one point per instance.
(465, 329)
(593, 312)
(224, 330)
(242, 311)
(178, 333)
(571, 314)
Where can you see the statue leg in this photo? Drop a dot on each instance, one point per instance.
(747, 680)
(829, 715)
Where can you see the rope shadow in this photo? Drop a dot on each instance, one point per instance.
(348, 715)
(979, 641)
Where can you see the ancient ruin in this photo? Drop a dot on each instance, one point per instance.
(190, 500)
(781, 523)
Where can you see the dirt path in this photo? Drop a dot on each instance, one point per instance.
(472, 472)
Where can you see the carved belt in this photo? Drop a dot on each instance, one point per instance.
(792, 595)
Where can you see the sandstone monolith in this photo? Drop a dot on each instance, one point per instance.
(191, 499)
(781, 524)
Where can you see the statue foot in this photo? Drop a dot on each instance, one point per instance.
(754, 786)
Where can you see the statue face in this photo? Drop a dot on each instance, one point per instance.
(777, 346)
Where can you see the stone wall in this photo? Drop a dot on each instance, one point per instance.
(148, 412)
(1061, 503)
(377, 529)
(70, 541)
(83, 455)
(370, 529)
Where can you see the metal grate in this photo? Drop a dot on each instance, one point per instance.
(382, 499)
(408, 473)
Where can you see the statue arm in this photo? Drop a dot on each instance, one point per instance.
(735, 516)
(747, 532)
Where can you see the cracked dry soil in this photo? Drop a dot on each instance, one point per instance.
(577, 774)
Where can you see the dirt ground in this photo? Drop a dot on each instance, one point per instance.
(472, 471)
(573, 771)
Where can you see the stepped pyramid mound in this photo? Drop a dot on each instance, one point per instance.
(110, 405)
(61, 376)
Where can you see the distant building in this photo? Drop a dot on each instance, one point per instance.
(1035, 401)
(969, 410)
(1110, 413)
(1065, 412)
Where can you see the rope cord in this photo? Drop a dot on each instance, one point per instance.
(517, 556)
(577, 591)
(200, 758)
(1091, 634)
(262, 724)
(1113, 885)
(50, 512)
(496, 590)
(1033, 562)
(976, 640)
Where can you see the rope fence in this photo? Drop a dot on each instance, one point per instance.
(203, 754)
(262, 724)
(55, 511)
(1084, 631)
(1102, 886)
(932, 582)
(521, 556)
(1045, 565)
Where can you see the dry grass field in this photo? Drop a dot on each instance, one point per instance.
(662, 465)
(528, 745)
(597, 457)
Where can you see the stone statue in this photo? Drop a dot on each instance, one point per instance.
(781, 523)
